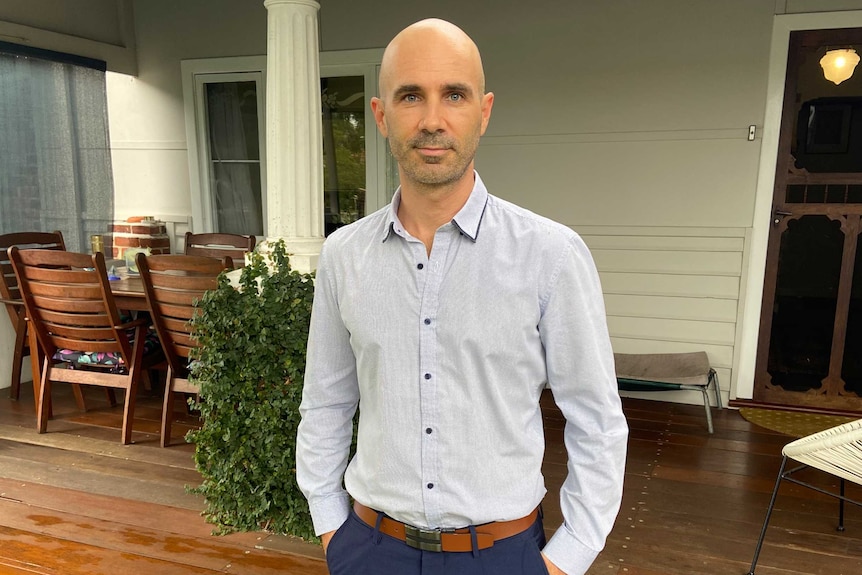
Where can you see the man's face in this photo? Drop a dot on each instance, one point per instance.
(432, 111)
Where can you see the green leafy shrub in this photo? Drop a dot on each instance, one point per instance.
(250, 368)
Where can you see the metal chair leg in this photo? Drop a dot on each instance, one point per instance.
(768, 515)
(707, 408)
(713, 378)
(841, 508)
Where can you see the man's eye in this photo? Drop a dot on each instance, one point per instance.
(411, 98)
(456, 97)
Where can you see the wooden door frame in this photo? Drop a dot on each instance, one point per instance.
(830, 395)
(754, 273)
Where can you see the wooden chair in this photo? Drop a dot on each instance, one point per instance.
(77, 325)
(837, 451)
(173, 283)
(11, 295)
(234, 246)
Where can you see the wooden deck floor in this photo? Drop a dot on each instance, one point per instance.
(74, 501)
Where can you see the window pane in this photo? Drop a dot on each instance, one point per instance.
(55, 163)
(343, 100)
(234, 151)
(236, 198)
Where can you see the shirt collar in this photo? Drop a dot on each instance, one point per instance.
(467, 220)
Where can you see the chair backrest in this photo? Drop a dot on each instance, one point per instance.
(24, 240)
(220, 245)
(173, 284)
(837, 450)
(69, 301)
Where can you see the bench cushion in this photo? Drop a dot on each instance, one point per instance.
(667, 368)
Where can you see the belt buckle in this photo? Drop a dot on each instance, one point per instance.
(423, 539)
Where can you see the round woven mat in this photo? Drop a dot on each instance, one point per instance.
(792, 423)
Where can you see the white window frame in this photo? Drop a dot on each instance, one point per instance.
(365, 63)
(196, 73)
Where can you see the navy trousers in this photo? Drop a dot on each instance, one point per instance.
(359, 549)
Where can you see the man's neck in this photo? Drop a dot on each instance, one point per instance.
(423, 209)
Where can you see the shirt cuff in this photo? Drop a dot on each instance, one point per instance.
(569, 554)
(330, 513)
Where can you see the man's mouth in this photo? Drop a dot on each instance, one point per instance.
(426, 151)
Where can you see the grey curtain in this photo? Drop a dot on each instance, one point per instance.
(235, 157)
(55, 161)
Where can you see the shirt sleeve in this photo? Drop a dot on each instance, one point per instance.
(329, 400)
(583, 381)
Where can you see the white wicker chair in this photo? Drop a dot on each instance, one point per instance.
(837, 450)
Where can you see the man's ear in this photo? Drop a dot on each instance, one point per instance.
(377, 110)
(487, 104)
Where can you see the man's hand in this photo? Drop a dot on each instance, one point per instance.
(552, 569)
(324, 538)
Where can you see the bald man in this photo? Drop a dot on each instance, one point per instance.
(443, 317)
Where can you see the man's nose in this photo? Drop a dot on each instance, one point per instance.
(432, 118)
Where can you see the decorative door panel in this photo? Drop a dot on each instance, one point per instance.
(803, 314)
(813, 344)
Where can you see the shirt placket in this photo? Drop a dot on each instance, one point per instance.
(430, 380)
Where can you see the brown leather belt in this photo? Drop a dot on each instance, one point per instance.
(457, 540)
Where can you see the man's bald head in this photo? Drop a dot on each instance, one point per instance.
(433, 108)
(429, 39)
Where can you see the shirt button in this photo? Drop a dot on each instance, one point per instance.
(427, 376)
(430, 486)
(428, 430)
(427, 321)
(419, 266)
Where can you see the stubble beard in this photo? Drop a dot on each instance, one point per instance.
(434, 170)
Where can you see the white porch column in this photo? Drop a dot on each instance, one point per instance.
(294, 144)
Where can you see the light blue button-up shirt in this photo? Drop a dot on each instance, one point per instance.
(446, 356)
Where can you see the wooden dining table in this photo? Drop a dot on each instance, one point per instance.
(129, 293)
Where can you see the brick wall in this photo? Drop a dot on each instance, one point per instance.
(124, 235)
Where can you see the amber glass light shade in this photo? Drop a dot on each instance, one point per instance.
(838, 65)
